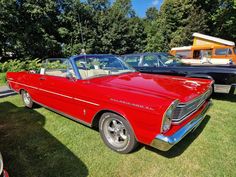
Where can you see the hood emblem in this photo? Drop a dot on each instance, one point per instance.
(192, 84)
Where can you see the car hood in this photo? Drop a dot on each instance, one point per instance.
(172, 87)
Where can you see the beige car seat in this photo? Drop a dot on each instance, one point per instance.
(91, 73)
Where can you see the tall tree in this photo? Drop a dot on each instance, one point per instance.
(38, 24)
(118, 30)
(152, 13)
(77, 27)
(221, 17)
(8, 27)
(175, 24)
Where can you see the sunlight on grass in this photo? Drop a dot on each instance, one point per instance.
(42, 143)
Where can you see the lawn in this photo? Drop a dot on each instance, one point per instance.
(2, 79)
(42, 143)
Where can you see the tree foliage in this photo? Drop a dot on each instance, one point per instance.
(49, 28)
(54, 28)
(178, 20)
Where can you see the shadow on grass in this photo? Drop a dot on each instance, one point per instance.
(31, 151)
(224, 97)
(180, 147)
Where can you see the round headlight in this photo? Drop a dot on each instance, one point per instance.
(167, 118)
(1, 164)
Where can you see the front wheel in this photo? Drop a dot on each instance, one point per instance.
(27, 100)
(117, 133)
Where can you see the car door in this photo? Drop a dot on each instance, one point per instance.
(34, 85)
(161, 68)
(59, 88)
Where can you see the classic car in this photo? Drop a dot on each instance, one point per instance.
(224, 76)
(3, 172)
(127, 107)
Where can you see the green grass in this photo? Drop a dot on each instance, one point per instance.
(41, 143)
(2, 79)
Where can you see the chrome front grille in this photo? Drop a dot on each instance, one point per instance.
(182, 111)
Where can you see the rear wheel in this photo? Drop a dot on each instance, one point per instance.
(117, 133)
(27, 100)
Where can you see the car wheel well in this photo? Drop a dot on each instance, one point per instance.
(97, 117)
(21, 90)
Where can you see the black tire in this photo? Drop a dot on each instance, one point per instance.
(27, 100)
(118, 136)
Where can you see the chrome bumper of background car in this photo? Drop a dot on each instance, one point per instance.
(231, 89)
(164, 143)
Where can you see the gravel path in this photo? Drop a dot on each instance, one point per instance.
(5, 91)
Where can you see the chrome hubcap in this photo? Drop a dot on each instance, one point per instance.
(27, 98)
(116, 133)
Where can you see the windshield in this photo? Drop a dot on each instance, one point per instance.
(98, 66)
(169, 60)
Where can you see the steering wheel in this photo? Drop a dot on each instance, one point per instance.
(83, 66)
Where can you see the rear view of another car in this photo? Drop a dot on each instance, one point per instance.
(3, 173)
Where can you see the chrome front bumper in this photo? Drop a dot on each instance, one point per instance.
(164, 143)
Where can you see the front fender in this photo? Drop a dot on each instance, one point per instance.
(144, 123)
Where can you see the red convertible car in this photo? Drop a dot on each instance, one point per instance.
(126, 106)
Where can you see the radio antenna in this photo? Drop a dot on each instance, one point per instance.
(81, 34)
(83, 51)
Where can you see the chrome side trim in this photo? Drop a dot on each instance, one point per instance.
(24, 85)
(55, 93)
(164, 143)
(87, 102)
(63, 114)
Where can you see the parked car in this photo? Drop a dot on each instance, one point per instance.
(164, 63)
(126, 106)
(3, 172)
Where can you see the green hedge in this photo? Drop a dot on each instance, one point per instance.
(20, 65)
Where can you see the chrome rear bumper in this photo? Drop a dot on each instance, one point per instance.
(164, 143)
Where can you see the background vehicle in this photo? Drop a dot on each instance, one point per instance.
(126, 106)
(207, 49)
(164, 63)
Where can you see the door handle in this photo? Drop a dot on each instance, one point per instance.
(42, 78)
